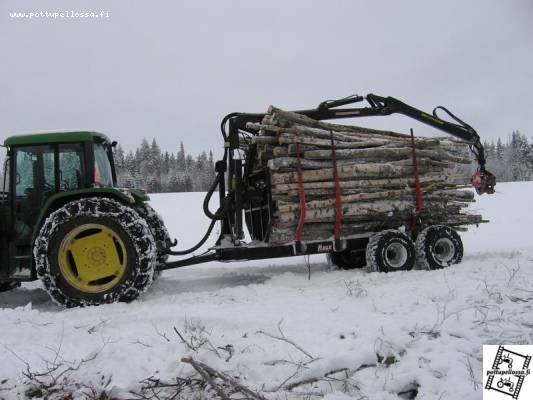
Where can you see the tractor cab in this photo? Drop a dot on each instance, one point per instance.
(38, 167)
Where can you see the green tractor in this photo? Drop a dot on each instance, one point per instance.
(64, 221)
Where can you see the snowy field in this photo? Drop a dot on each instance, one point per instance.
(389, 336)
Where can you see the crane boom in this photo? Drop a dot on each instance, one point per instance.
(483, 181)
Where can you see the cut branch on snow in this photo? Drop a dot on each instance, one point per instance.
(210, 374)
(283, 338)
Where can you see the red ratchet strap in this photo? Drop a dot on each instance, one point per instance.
(301, 191)
(338, 199)
(417, 185)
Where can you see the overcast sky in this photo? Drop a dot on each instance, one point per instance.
(172, 69)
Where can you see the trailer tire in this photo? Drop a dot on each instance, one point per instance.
(159, 232)
(437, 247)
(347, 259)
(94, 251)
(389, 251)
(7, 286)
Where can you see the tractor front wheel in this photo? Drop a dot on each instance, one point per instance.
(93, 251)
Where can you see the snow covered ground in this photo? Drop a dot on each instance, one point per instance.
(388, 333)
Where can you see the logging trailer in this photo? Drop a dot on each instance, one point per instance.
(64, 221)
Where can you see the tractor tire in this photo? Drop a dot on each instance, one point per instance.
(347, 259)
(7, 286)
(437, 247)
(159, 232)
(94, 251)
(389, 251)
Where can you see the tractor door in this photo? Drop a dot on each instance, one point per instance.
(5, 217)
(34, 179)
(39, 172)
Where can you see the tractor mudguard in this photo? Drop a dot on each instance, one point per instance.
(124, 195)
(139, 195)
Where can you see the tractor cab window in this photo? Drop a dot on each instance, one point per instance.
(103, 175)
(71, 166)
(34, 173)
(33, 182)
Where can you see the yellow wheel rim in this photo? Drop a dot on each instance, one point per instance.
(92, 258)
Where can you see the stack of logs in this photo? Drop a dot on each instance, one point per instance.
(376, 176)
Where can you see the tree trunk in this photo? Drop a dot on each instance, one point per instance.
(365, 183)
(406, 194)
(265, 140)
(286, 138)
(383, 153)
(376, 174)
(350, 171)
(286, 118)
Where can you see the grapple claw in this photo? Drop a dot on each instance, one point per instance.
(483, 182)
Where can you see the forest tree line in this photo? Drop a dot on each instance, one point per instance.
(149, 168)
(153, 170)
(512, 160)
(156, 171)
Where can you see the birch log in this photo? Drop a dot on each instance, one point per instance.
(353, 171)
(376, 174)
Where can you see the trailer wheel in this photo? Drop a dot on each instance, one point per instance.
(438, 246)
(94, 251)
(347, 259)
(390, 250)
(7, 286)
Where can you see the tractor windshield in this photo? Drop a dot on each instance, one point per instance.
(103, 174)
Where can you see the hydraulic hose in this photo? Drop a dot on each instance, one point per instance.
(218, 215)
(197, 245)
(476, 147)
(223, 130)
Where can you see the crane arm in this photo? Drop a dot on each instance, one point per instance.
(483, 181)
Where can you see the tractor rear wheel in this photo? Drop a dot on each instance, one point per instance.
(93, 251)
(7, 286)
(159, 231)
(389, 251)
(438, 246)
